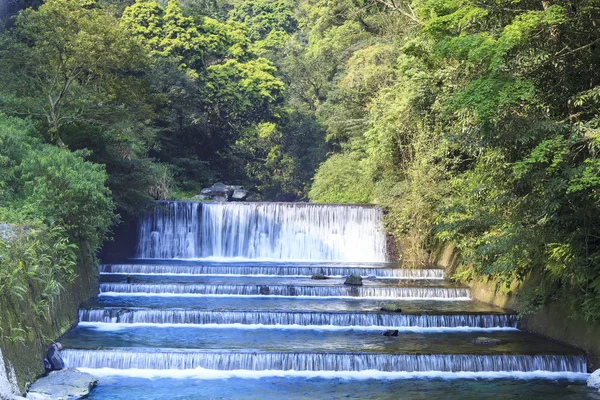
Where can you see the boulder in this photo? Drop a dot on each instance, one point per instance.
(219, 198)
(265, 290)
(202, 197)
(391, 308)
(233, 188)
(370, 278)
(252, 198)
(319, 277)
(354, 280)
(391, 332)
(239, 195)
(594, 380)
(220, 188)
(488, 341)
(62, 385)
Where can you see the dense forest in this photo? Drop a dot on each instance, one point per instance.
(474, 124)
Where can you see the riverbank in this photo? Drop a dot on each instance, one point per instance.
(23, 350)
(556, 321)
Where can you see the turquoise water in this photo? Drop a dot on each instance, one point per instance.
(126, 388)
(258, 329)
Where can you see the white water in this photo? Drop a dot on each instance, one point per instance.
(289, 290)
(262, 231)
(268, 270)
(294, 318)
(208, 374)
(115, 326)
(171, 359)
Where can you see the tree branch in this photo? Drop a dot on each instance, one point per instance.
(394, 7)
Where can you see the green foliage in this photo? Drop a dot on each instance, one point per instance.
(480, 126)
(45, 183)
(342, 179)
(263, 17)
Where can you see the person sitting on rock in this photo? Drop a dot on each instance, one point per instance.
(53, 360)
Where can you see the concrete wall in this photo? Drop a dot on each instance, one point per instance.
(555, 321)
(26, 355)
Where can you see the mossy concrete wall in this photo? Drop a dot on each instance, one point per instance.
(25, 351)
(556, 321)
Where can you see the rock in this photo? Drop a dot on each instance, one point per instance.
(6, 231)
(370, 278)
(62, 385)
(219, 198)
(391, 332)
(239, 195)
(206, 191)
(354, 280)
(292, 290)
(233, 188)
(488, 341)
(594, 380)
(319, 277)
(9, 389)
(202, 197)
(219, 188)
(265, 290)
(252, 197)
(391, 308)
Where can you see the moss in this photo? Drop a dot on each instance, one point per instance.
(556, 321)
(26, 335)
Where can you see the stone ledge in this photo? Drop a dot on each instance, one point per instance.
(66, 384)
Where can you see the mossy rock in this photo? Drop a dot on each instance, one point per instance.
(354, 280)
(391, 308)
(488, 341)
(319, 277)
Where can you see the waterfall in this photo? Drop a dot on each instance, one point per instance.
(262, 231)
(172, 359)
(273, 270)
(253, 317)
(290, 290)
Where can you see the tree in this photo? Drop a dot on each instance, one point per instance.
(69, 62)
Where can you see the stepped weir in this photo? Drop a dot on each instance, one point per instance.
(228, 289)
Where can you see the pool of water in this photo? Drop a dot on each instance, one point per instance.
(119, 335)
(127, 388)
(293, 303)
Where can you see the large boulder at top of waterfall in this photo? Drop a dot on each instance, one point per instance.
(488, 341)
(354, 280)
(62, 385)
(221, 192)
(318, 277)
(594, 380)
(220, 189)
(220, 198)
(239, 194)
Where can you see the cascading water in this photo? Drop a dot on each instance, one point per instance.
(322, 362)
(262, 231)
(272, 269)
(251, 317)
(289, 290)
(251, 284)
